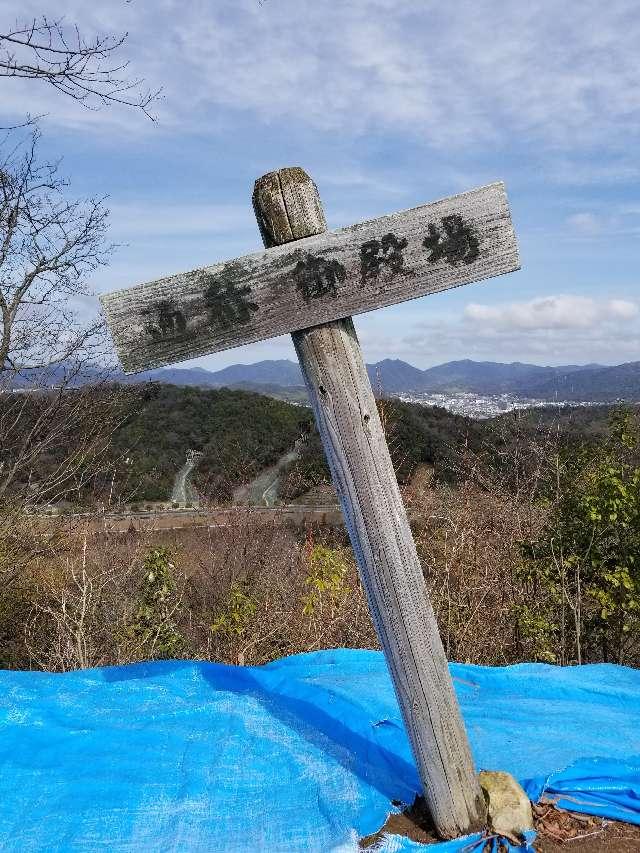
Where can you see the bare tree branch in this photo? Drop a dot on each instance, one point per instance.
(58, 410)
(48, 246)
(85, 70)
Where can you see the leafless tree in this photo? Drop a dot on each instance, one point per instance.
(55, 429)
(48, 245)
(58, 409)
(55, 458)
(87, 70)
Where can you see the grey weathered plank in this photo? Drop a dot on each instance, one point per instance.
(365, 481)
(391, 574)
(316, 279)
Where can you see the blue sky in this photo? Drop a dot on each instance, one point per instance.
(387, 105)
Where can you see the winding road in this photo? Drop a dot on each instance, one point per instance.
(183, 491)
(263, 490)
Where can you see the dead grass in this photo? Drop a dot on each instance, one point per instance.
(248, 593)
(468, 542)
(238, 596)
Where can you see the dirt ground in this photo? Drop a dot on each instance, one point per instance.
(558, 831)
(563, 831)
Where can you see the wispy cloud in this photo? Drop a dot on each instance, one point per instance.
(150, 220)
(550, 312)
(555, 330)
(574, 169)
(603, 224)
(461, 74)
(387, 104)
(585, 224)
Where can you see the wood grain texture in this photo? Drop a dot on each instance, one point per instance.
(378, 528)
(324, 276)
(365, 481)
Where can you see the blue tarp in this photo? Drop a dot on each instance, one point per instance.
(304, 754)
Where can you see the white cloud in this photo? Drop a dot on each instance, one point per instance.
(564, 329)
(622, 309)
(425, 347)
(585, 224)
(549, 312)
(468, 73)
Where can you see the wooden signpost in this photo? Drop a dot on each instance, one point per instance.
(309, 282)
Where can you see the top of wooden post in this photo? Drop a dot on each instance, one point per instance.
(287, 206)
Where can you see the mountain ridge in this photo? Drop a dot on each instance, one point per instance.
(604, 384)
(393, 377)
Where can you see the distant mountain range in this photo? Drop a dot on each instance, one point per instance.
(598, 384)
(281, 372)
(591, 382)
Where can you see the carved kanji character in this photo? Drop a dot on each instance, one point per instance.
(316, 277)
(169, 320)
(457, 244)
(227, 301)
(386, 251)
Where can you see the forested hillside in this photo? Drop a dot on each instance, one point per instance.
(429, 435)
(239, 433)
(416, 435)
(620, 382)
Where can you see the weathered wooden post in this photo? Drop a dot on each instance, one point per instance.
(288, 208)
(309, 283)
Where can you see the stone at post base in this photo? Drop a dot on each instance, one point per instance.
(509, 809)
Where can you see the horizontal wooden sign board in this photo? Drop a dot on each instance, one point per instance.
(434, 247)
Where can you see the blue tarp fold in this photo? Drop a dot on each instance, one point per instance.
(303, 754)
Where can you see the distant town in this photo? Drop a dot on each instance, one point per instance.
(481, 406)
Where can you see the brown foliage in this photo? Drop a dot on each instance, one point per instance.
(468, 542)
(247, 593)
(238, 595)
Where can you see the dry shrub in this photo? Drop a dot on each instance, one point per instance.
(259, 594)
(251, 592)
(254, 590)
(79, 604)
(245, 593)
(469, 544)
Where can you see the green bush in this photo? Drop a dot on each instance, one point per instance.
(237, 614)
(153, 630)
(327, 570)
(586, 559)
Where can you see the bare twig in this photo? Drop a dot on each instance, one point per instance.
(87, 70)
